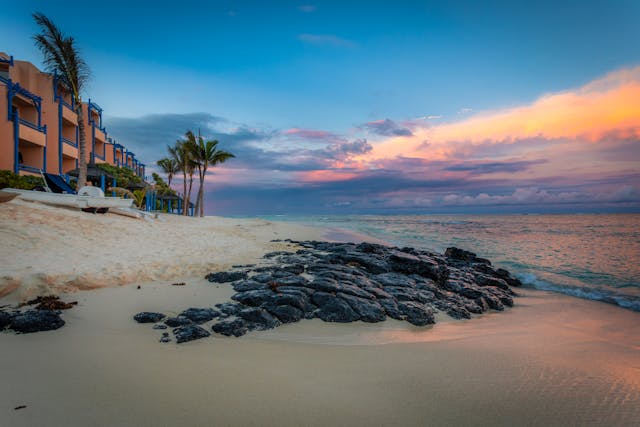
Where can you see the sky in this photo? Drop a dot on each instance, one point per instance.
(336, 107)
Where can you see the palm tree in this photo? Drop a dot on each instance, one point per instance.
(170, 167)
(182, 156)
(207, 154)
(61, 56)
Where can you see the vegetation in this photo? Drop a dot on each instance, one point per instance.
(162, 187)
(9, 179)
(124, 177)
(188, 155)
(61, 56)
(170, 167)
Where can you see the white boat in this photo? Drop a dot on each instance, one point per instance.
(81, 201)
(134, 213)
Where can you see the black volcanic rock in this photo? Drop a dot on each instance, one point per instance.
(5, 319)
(190, 333)
(368, 310)
(226, 276)
(333, 309)
(416, 314)
(260, 318)
(236, 327)
(285, 313)
(148, 317)
(35, 321)
(346, 282)
(200, 315)
(174, 322)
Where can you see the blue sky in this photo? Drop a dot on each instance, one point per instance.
(301, 90)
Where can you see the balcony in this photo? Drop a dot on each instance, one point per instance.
(32, 133)
(69, 115)
(31, 170)
(69, 148)
(100, 134)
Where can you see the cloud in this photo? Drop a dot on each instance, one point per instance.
(344, 150)
(571, 150)
(326, 40)
(387, 127)
(482, 168)
(148, 136)
(311, 134)
(307, 8)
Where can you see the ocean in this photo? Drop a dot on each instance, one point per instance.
(592, 256)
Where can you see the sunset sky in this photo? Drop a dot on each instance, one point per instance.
(372, 107)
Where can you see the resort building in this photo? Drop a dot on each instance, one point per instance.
(39, 126)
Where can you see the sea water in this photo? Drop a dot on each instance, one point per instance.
(588, 256)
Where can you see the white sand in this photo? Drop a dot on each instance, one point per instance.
(551, 360)
(47, 249)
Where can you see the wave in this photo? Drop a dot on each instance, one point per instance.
(625, 301)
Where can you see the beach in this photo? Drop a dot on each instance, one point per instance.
(550, 360)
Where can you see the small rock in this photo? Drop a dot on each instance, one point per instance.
(229, 308)
(333, 309)
(200, 315)
(226, 276)
(416, 313)
(5, 320)
(190, 333)
(369, 311)
(262, 318)
(178, 284)
(236, 327)
(160, 326)
(36, 321)
(148, 317)
(285, 313)
(174, 322)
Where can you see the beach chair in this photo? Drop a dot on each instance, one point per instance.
(55, 184)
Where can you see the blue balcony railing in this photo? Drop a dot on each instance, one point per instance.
(8, 60)
(32, 125)
(66, 104)
(31, 169)
(57, 83)
(69, 142)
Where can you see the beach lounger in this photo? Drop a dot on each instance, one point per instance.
(56, 184)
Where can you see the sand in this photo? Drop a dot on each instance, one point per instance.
(49, 250)
(551, 360)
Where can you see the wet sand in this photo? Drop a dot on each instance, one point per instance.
(551, 360)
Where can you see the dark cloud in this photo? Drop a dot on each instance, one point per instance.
(148, 136)
(343, 150)
(481, 168)
(387, 127)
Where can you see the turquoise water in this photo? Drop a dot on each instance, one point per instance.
(588, 256)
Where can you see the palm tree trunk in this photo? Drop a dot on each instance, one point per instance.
(82, 147)
(201, 192)
(185, 201)
(190, 186)
(197, 209)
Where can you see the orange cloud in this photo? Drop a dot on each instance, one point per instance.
(603, 107)
(324, 175)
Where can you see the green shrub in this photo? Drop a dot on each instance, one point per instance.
(9, 179)
(124, 177)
